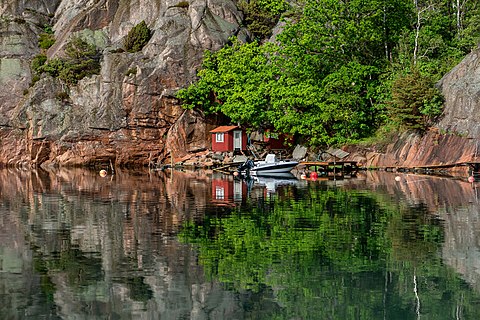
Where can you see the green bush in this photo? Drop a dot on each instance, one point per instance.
(137, 38)
(52, 67)
(35, 79)
(46, 40)
(416, 102)
(261, 16)
(38, 61)
(48, 29)
(82, 60)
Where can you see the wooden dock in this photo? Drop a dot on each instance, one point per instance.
(351, 167)
(330, 167)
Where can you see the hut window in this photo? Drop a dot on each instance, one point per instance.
(219, 137)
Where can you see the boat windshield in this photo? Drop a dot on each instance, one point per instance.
(271, 158)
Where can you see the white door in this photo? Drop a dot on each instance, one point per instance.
(237, 140)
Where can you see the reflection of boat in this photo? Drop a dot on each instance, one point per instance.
(272, 182)
(271, 165)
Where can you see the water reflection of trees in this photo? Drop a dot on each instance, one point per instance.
(340, 253)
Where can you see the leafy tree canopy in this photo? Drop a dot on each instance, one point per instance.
(335, 67)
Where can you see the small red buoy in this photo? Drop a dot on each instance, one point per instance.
(471, 179)
(313, 176)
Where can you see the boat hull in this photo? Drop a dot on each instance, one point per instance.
(274, 168)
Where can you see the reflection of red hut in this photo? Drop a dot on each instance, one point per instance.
(228, 191)
(229, 138)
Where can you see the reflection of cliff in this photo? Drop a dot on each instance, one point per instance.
(461, 250)
(16, 275)
(434, 192)
(456, 202)
(110, 242)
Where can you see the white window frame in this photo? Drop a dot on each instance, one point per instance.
(220, 137)
(219, 193)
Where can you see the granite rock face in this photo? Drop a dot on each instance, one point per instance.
(127, 113)
(461, 89)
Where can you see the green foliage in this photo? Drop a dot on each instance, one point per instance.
(137, 38)
(48, 29)
(329, 78)
(35, 79)
(46, 40)
(78, 49)
(416, 102)
(82, 60)
(38, 61)
(261, 16)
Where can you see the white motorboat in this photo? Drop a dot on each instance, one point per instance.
(271, 165)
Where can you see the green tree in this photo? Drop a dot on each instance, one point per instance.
(261, 16)
(137, 37)
(416, 101)
(336, 66)
(296, 85)
(82, 60)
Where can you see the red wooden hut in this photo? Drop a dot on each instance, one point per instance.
(229, 138)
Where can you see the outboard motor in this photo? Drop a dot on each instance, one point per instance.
(246, 166)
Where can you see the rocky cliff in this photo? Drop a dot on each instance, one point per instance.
(127, 114)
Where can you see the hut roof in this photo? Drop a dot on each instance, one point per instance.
(224, 129)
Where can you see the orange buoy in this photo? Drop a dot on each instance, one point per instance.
(103, 173)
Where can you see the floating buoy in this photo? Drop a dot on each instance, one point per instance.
(397, 178)
(471, 179)
(103, 173)
(313, 176)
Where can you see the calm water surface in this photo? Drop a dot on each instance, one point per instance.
(162, 245)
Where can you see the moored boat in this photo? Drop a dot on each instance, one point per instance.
(271, 165)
